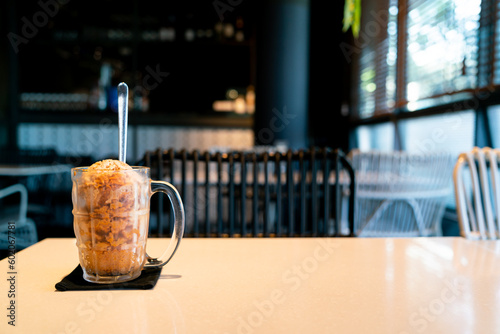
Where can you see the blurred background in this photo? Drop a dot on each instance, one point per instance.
(411, 75)
(193, 70)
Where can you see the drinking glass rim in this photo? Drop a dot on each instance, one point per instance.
(134, 168)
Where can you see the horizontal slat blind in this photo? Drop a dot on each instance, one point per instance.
(376, 85)
(486, 43)
(494, 35)
(442, 45)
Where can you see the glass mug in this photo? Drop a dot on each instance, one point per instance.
(111, 222)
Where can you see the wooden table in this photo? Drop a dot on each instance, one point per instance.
(263, 285)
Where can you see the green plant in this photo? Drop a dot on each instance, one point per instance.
(352, 16)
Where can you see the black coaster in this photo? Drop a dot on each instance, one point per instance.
(74, 281)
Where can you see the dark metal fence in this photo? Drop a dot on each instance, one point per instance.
(256, 194)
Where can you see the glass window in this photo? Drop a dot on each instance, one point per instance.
(450, 132)
(444, 54)
(375, 137)
(436, 57)
(494, 120)
(441, 47)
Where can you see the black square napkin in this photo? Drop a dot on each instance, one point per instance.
(75, 281)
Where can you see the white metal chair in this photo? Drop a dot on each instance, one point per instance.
(478, 218)
(400, 194)
(25, 232)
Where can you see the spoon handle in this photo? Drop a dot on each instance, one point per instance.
(122, 120)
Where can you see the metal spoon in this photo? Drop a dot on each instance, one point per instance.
(122, 120)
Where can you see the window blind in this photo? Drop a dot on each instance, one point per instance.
(447, 50)
(376, 85)
(492, 39)
(441, 48)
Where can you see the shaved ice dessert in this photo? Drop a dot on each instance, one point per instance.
(111, 217)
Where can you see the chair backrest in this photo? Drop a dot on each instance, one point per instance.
(23, 202)
(478, 217)
(25, 229)
(257, 194)
(400, 194)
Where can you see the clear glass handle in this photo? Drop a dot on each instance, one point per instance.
(179, 222)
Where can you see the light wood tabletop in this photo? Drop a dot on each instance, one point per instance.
(269, 285)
